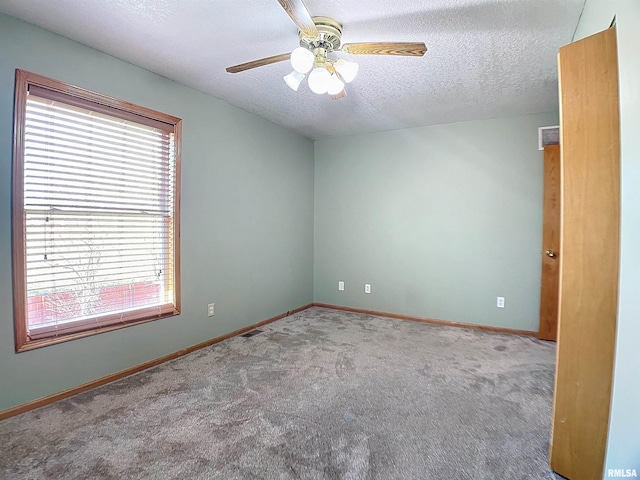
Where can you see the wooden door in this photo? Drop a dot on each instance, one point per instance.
(550, 245)
(590, 236)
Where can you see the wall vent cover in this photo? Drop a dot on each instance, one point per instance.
(548, 136)
(251, 333)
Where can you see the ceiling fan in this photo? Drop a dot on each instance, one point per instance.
(319, 37)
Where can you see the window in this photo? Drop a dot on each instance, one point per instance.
(95, 213)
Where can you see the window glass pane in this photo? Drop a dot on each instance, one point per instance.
(98, 205)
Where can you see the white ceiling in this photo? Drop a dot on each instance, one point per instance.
(485, 58)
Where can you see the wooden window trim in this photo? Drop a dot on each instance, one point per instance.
(81, 97)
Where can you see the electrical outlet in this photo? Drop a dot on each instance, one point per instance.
(210, 310)
(500, 302)
(341, 286)
(367, 288)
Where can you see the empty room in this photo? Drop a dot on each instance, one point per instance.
(312, 239)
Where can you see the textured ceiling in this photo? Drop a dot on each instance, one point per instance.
(485, 58)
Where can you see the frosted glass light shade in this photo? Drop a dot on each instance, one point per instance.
(335, 85)
(293, 80)
(319, 79)
(347, 70)
(302, 60)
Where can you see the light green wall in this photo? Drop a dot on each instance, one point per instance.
(247, 217)
(440, 220)
(623, 450)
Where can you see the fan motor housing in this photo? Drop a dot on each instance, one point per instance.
(330, 35)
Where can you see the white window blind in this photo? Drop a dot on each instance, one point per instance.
(99, 215)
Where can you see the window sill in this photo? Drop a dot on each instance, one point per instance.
(44, 342)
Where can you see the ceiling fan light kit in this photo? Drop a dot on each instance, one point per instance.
(319, 37)
(347, 70)
(302, 60)
(335, 85)
(293, 80)
(318, 80)
(326, 75)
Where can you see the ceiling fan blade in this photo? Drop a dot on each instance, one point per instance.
(385, 48)
(340, 95)
(300, 16)
(259, 63)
